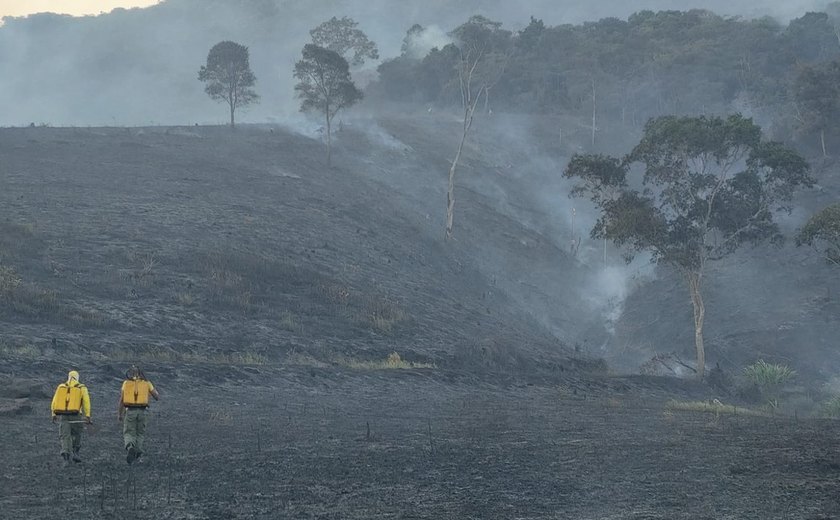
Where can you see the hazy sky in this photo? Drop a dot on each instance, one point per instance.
(74, 7)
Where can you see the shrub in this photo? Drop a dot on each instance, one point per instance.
(831, 408)
(9, 281)
(768, 376)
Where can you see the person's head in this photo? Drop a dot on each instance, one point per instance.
(133, 372)
(72, 376)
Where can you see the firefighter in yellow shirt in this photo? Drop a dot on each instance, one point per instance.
(71, 408)
(131, 411)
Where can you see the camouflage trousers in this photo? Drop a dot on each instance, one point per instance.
(134, 428)
(70, 429)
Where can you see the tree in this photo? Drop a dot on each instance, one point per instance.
(817, 96)
(325, 85)
(341, 36)
(228, 76)
(708, 186)
(822, 231)
(484, 50)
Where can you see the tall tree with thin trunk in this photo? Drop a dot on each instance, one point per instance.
(325, 86)
(817, 97)
(228, 76)
(484, 49)
(708, 186)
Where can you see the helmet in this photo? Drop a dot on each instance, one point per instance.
(133, 373)
(72, 376)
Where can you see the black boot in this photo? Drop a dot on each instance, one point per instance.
(76, 457)
(132, 453)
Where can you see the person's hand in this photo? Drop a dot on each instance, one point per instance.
(54, 418)
(119, 418)
(88, 421)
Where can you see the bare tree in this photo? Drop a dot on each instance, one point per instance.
(484, 52)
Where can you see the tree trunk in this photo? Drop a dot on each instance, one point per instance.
(329, 141)
(231, 115)
(593, 113)
(822, 142)
(450, 193)
(699, 316)
(469, 112)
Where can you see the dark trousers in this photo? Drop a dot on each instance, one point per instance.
(70, 429)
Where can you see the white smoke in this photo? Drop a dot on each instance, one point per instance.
(419, 44)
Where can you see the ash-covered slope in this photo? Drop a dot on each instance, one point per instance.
(202, 243)
(774, 303)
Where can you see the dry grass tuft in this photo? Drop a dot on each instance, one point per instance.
(155, 353)
(393, 362)
(289, 322)
(714, 406)
(19, 350)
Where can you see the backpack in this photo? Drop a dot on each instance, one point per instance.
(135, 393)
(67, 399)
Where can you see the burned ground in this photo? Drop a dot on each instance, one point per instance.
(328, 443)
(263, 292)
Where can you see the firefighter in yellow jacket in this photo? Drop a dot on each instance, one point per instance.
(71, 408)
(131, 411)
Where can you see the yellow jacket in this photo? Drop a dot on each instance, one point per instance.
(85, 397)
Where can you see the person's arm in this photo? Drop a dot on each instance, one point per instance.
(153, 392)
(53, 406)
(120, 406)
(86, 403)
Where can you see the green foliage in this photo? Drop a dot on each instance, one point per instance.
(768, 377)
(681, 62)
(817, 95)
(831, 408)
(823, 232)
(710, 184)
(341, 36)
(325, 85)
(228, 76)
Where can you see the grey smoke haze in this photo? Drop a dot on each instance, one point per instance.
(139, 66)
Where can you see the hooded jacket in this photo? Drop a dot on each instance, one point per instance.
(73, 380)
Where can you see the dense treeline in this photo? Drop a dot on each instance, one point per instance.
(651, 64)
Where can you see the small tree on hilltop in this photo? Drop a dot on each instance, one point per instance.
(228, 76)
(341, 35)
(709, 185)
(325, 85)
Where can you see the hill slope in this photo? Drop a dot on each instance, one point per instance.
(188, 243)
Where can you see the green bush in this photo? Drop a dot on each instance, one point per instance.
(9, 281)
(768, 376)
(768, 379)
(831, 408)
